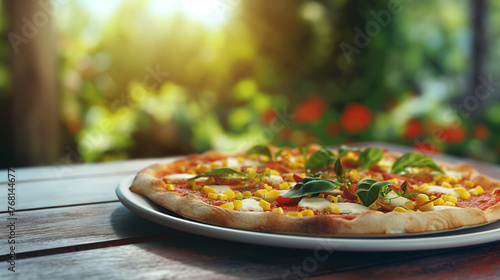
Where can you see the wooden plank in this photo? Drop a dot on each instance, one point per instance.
(32, 195)
(191, 257)
(475, 263)
(72, 226)
(66, 170)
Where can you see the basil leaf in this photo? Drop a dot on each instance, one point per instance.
(368, 157)
(260, 150)
(310, 185)
(278, 153)
(414, 160)
(338, 168)
(343, 150)
(404, 186)
(321, 159)
(369, 189)
(219, 171)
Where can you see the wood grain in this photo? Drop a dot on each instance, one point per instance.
(33, 195)
(191, 257)
(471, 263)
(75, 226)
(65, 169)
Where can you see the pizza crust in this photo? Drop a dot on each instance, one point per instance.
(148, 183)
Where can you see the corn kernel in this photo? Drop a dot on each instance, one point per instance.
(215, 165)
(332, 198)
(274, 172)
(191, 182)
(469, 184)
(210, 181)
(206, 190)
(222, 197)
(294, 214)
(307, 212)
(416, 187)
(399, 209)
(272, 195)
(457, 186)
(321, 195)
(169, 187)
(267, 187)
(423, 187)
(333, 209)
(247, 193)
(237, 204)
(394, 180)
(426, 207)
(433, 197)
(446, 185)
(264, 158)
(447, 203)
(260, 193)
(354, 173)
(229, 193)
(191, 171)
(477, 191)
(409, 205)
(289, 178)
(302, 175)
(225, 163)
(228, 205)
(278, 210)
(339, 198)
(449, 198)
(182, 168)
(265, 205)
(238, 195)
(251, 170)
(196, 187)
(212, 195)
(237, 168)
(284, 186)
(253, 157)
(421, 199)
(241, 160)
(439, 201)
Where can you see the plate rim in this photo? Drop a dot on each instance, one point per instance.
(452, 239)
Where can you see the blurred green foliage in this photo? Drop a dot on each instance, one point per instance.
(153, 78)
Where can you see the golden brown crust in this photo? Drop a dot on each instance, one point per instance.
(148, 183)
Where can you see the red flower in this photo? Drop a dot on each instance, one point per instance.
(481, 132)
(454, 134)
(269, 116)
(426, 148)
(311, 110)
(332, 128)
(355, 118)
(413, 129)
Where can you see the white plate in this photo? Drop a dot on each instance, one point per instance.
(456, 238)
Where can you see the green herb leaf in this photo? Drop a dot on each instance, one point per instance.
(220, 171)
(404, 186)
(311, 185)
(260, 150)
(338, 168)
(343, 150)
(414, 160)
(369, 189)
(278, 153)
(321, 159)
(368, 157)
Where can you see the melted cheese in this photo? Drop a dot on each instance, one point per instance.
(219, 188)
(180, 178)
(315, 203)
(231, 161)
(393, 203)
(441, 190)
(441, 207)
(273, 180)
(250, 204)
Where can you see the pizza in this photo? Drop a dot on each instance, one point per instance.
(316, 190)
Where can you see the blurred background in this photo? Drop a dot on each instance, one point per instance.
(90, 80)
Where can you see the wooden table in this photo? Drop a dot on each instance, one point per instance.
(70, 225)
